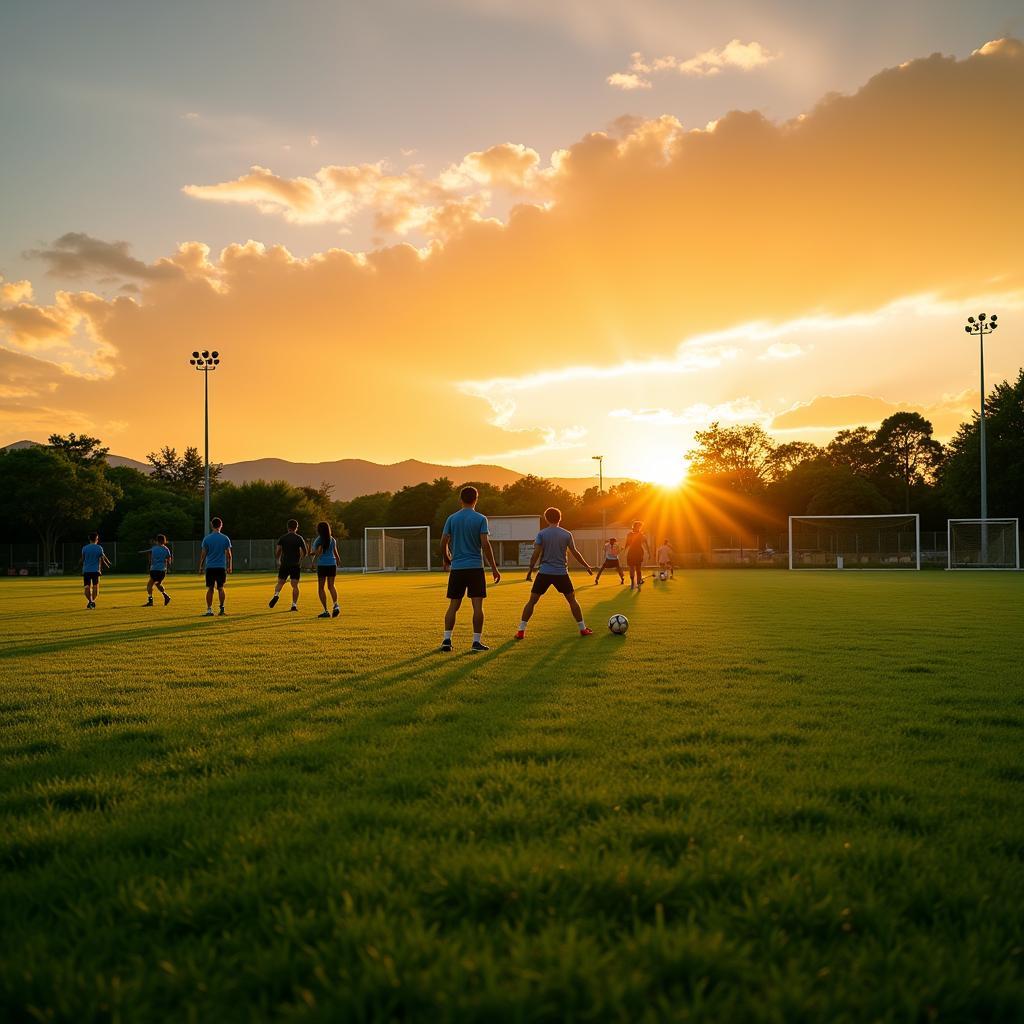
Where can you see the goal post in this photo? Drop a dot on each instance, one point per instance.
(983, 543)
(396, 548)
(855, 542)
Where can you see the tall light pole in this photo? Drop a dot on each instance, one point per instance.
(979, 328)
(599, 459)
(206, 362)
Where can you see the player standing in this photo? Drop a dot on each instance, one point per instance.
(216, 557)
(464, 544)
(325, 551)
(665, 560)
(291, 548)
(92, 560)
(551, 549)
(636, 551)
(160, 559)
(611, 561)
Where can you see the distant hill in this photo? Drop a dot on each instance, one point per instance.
(113, 460)
(352, 477)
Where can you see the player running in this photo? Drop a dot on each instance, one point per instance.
(160, 560)
(464, 544)
(216, 557)
(611, 561)
(550, 549)
(636, 551)
(291, 548)
(92, 560)
(325, 551)
(665, 560)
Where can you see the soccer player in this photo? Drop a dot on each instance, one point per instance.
(160, 560)
(636, 551)
(550, 549)
(216, 557)
(464, 544)
(92, 560)
(611, 561)
(325, 551)
(665, 554)
(291, 549)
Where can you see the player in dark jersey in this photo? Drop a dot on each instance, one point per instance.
(291, 549)
(636, 551)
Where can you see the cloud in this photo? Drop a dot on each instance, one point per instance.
(734, 55)
(836, 412)
(15, 291)
(739, 410)
(77, 255)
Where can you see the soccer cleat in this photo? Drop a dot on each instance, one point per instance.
(148, 604)
(446, 645)
(273, 600)
(520, 634)
(209, 611)
(586, 631)
(477, 646)
(325, 614)
(294, 608)
(336, 612)
(222, 612)
(167, 600)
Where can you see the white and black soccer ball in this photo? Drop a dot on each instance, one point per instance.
(618, 624)
(663, 575)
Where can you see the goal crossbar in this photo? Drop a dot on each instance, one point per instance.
(855, 554)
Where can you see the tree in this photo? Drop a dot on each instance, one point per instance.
(79, 448)
(139, 492)
(530, 495)
(417, 505)
(52, 495)
(186, 474)
(1004, 433)
(786, 457)
(843, 493)
(366, 510)
(740, 457)
(907, 448)
(260, 509)
(492, 503)
(855, 449)
(139, 526)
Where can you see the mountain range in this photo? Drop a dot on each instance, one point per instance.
(352, 477)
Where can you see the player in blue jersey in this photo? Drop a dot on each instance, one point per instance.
(464, 545)
(325, 554)
(216, 559)
(92, 561)
(160, 560)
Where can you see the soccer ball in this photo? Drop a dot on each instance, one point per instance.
(663, 576)
(618, 624)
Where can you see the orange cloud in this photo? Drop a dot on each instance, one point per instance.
(735, 54)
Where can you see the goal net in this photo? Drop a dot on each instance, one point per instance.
(855, 542)
(393, 548)
(983, 543)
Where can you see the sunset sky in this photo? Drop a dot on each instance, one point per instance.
(511, 231)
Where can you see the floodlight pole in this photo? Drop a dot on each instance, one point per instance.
(979, 328)
(206, 362)
(599, 459)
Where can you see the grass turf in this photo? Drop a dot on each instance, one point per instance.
(780, 797)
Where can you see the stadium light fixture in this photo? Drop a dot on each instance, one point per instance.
(979, 328)
(206, 362)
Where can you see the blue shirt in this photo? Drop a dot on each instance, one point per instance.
(465, 527)
(159, 553)
(328, 556)
(92, 557)
(554, 543)
(216, 545)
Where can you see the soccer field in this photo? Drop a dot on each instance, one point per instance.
(780, 797)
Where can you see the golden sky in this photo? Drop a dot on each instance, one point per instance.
(611, 296)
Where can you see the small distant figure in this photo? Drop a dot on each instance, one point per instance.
(92, 560)
(160, 560)
(325, 551)
(666, 560)
(464, 545)
(611, 561)
(291, 549)
(636, 551)
(551, 549)
(216, 558)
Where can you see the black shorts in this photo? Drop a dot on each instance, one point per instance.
(466, 583)
(216, 577)
(289, 572)
(157, 575)
(90, 577)
(611, 563)
(635, 561)
(326, 572)
(563, 584)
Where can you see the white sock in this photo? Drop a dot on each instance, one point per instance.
(336, 605)
(582, 625)
(522, 625)
(295, 604)
(476, 637)
(447, 634)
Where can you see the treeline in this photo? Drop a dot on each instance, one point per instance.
(741, 482)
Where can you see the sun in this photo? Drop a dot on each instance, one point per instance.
(665, 469)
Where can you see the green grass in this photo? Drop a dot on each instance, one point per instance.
(781, 797)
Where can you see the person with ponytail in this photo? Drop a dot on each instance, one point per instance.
(325, 551)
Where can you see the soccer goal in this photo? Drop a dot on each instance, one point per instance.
(855, 542)
(983, 543)
(393, 548)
